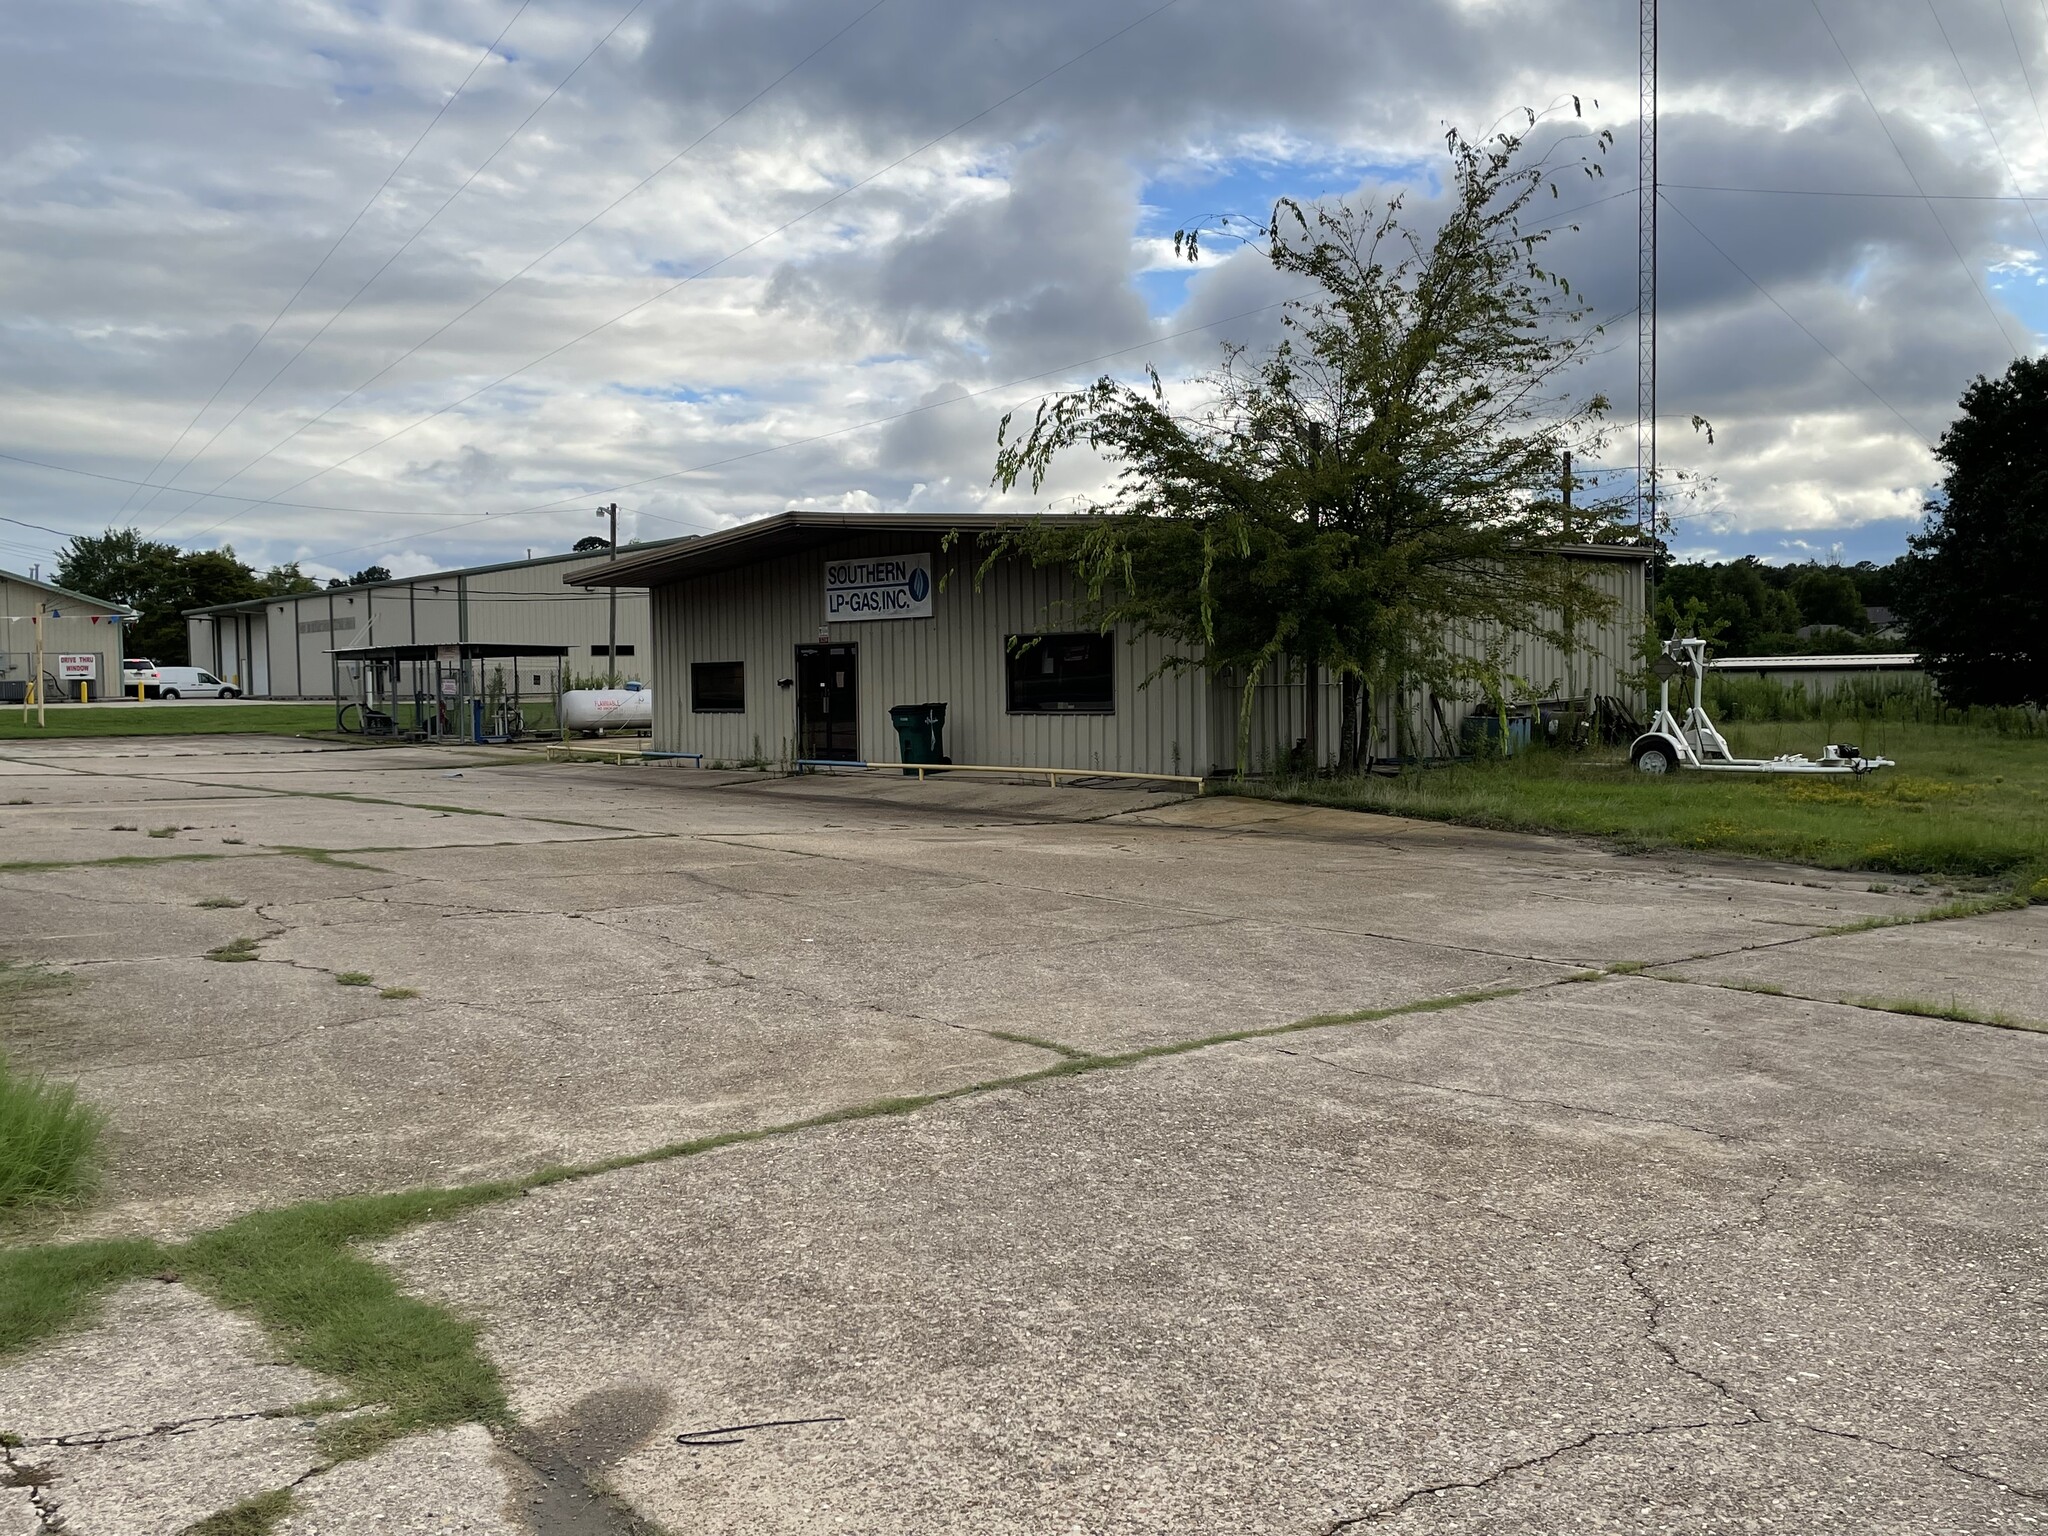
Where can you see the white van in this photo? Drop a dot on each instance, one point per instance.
(191, 683)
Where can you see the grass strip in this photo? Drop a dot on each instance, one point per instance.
(252, 1517)
(130, 718)
(1947, 911)
(296, 1271)
(1954, 1012)
(48, 1288)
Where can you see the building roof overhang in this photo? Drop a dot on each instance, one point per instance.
(795, 531)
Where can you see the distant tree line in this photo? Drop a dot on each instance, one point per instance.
(162, 581)
(1748, 608)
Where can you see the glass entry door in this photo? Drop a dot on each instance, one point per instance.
(827, 703)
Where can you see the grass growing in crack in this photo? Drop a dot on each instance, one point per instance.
(398, 992)
(163, 831)
(1962, 906)
(354, 979)
(45, 1289)
(296, 1271)
(1955, 1012)
(1039, 1043)
(49, 1143)
(252, 1517)
(221, 903)
(234, 950)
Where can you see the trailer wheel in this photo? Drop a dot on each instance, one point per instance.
(1654, 754)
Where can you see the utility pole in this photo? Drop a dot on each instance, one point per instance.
(611, 649)
(1646, 279)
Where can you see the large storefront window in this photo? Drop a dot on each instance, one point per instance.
(1062, 674)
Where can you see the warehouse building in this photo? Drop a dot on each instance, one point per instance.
(77, 637)
(281, 647)
(789, 639)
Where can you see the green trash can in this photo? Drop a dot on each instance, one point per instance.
(920, 733)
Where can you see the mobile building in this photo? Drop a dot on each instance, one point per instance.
(79, 638)
(1822, 674)
(282, 647)
(791, 638)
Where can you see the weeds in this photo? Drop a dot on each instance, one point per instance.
(48, 1288)
(163, 831)
(220, 903)
(234, 950)
(354, 979)
(1953, 1011)
(252, 1517)
(398, 992)
(49, 1143)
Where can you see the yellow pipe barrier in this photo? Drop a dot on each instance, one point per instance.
(1052, 775)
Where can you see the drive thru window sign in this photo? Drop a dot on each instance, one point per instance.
(878, 587)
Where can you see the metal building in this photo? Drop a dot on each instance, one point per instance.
(79, 638)
(281, 647)
(789, 639)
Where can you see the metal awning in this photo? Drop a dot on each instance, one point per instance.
(467, 650)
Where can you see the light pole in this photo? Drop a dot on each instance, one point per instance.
(611, 649)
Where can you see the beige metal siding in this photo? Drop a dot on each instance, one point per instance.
(1607, 650)
(759, 614)
(71, 632)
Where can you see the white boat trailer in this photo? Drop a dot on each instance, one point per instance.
(1670, 743)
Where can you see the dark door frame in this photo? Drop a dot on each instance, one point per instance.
(821, 652)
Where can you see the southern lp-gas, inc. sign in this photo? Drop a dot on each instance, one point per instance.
(878, 587)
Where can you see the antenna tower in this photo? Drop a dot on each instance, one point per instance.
(1646, 269)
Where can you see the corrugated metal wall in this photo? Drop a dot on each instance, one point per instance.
(288, 639)
(1278, 716)
(760, 614)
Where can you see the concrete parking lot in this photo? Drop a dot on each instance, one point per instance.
(1669, 1219)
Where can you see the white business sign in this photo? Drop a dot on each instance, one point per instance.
(878, 587)
(83, 669)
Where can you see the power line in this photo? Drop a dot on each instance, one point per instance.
(638, 186)
(319, 266)
(1991, 132)
(787, 224)
(405, 246)
(819, 437)
(1906, 165)
(2020, 54)
(874, 421)
(1781, 309)
(1909, 197)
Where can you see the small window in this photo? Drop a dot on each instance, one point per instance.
(1062, 674)
(209, 679)
(624, 650)
(717, 687)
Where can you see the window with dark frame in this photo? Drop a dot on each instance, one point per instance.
(1062, 674)
(599, 650)
(717, 688)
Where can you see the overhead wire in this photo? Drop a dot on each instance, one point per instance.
(1991, 132)
(1905, 164)
(490, 49)
(731, 255)
(404, 246)
(2020, 54)
(477, 304)
(1721, 251)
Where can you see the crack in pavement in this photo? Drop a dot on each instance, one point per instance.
(1508, 1098)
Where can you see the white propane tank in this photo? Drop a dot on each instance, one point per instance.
(608, 709)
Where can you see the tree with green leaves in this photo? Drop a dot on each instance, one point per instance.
(1974, 592)
(1381, 484)
(162, 582)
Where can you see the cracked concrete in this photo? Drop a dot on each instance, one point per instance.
(1622, 1255)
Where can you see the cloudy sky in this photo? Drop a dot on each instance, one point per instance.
(422, 282)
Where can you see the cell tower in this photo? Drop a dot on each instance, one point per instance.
(1646, 269)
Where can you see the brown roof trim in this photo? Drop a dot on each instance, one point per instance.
(797, 529)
